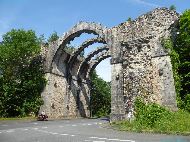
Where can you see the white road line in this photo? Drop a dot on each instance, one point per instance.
(44, 127)
(93, 137)
(102, 138)
(126, 141)
(4, 125)
(64, 134)
(25, 129)
(111, 139)
(53, 133)
(89, 124)
(35, 123)
(0, 132)
(35, 128)
(10, 131)
(74, 125)
(72, 135)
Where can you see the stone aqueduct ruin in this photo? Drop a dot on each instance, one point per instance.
(140, 66)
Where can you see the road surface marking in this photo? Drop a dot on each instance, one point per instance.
(102, 138)
(111, 139)
(93, 137)
(72, 135)
(74, 125)
(35, 128)
(10, 131)
(4, 125)
(44, 127)
(64, 134)
(53, 133)
(35, 123)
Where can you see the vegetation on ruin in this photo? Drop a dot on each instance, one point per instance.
(53, 37)
(100, 96)
(22, 78)
(154, 118)
(179, 48)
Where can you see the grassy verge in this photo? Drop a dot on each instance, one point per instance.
(17, 118)
(156, 119)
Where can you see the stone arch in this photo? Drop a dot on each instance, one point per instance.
(81, 48)
(131, 57)
(94, 63)
(76, 31)
(88, 67)
(90, 56)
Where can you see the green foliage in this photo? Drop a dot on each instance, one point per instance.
(53, 37)
(154, 118)
(100, 96)
(148, 115)
(22, 77)
(129, 19)
(182, 47)
(69, 49)
(180, 58)
(172, 7)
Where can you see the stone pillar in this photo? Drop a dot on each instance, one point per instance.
(117, 99)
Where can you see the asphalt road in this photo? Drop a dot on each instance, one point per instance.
(78, 130)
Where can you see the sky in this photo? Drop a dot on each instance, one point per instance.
(47, 16)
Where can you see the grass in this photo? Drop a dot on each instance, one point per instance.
(178, 123)
(17, 118)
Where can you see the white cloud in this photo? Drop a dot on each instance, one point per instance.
(145, 3)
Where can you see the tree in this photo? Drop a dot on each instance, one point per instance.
(100, 96)
(172, 7)
(129, 19)
(22, 75)
(53, 37)
(182, 49)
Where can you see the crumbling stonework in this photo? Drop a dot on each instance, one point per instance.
(140, 66)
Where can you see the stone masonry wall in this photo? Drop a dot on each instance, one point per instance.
(140, 67)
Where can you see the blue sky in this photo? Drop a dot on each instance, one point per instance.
(46, 16)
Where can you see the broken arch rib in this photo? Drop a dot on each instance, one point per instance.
(94, 63)
(90, 56)
(84, 45)
(76, 31)
(82, 27)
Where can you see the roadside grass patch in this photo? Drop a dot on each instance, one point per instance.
(17, 118)
(156, 119)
